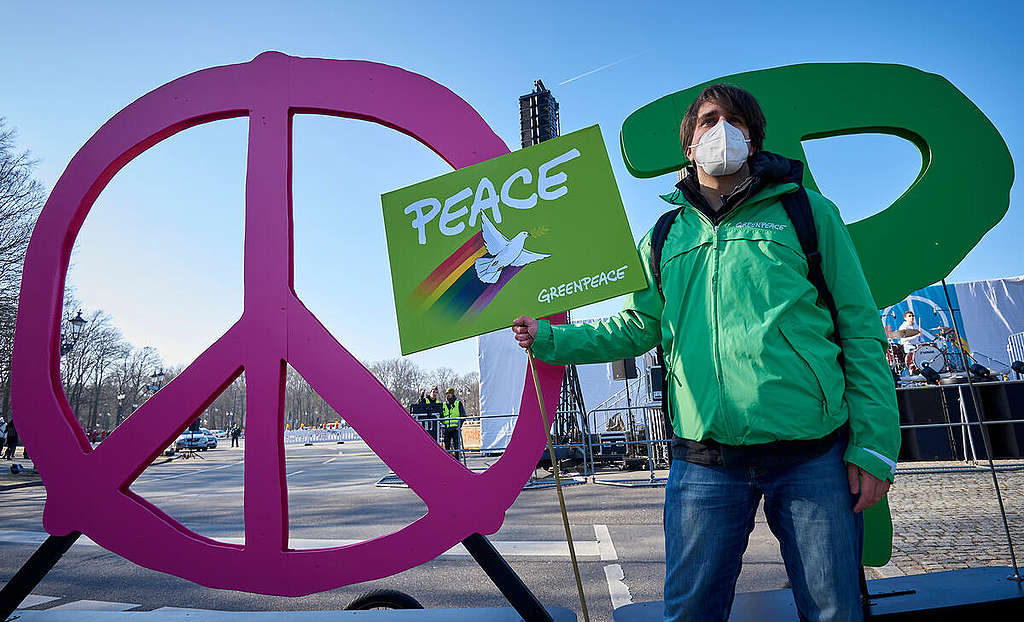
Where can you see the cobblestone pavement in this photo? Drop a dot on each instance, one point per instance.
(946, 521)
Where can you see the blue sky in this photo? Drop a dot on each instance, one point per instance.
(162, 248)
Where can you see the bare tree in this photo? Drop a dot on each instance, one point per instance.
(405, 379)
(21, 198)
(132, 375)
(468, 386)
(402, 377)
(304, 406)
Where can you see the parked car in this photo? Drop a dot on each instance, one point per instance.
(220, 433)
(191, 440)
(211, 440)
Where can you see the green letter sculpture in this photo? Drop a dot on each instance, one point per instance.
(819, 100)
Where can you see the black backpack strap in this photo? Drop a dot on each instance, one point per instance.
(666, 416)
(658, 236)
(798, 208)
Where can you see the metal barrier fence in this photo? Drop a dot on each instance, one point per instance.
(303, 437)
(643, 442)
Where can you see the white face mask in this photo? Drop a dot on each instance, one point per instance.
(722, 150)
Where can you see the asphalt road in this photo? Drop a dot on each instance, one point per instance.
(332, 496)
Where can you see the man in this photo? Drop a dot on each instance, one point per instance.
(909, 322)
(11, 440)
(433, 398)
(430, 418)
(759, 401)
(236, 431)
(452, 415)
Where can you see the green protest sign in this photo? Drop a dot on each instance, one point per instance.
(534, 232)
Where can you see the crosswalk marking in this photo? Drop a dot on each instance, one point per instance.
(192, 472)
(510, 548)
(181, 610)
(34, 600)
(93, 605)
(604, 543)
(617, 588)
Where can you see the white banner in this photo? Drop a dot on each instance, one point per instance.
(502, 374)
(992, 311)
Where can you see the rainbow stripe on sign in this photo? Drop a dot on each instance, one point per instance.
(453, 287)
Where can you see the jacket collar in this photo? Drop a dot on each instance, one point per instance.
(770, 176)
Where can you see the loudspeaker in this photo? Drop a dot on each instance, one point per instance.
(624, 369)
(924, 406)
(655, 382)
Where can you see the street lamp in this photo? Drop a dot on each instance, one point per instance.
(157, 377)
(68, 340)
(120, 407)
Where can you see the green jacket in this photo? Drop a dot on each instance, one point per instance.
(747, 348)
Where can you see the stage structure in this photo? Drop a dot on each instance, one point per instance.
(539, 121)
(991, 331)
(538, 116)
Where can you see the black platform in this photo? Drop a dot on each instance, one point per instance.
(1001, 401)
(974, 594)
(502, 614)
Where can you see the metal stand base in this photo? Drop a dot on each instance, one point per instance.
(33, 571)
(535, 484)
(658, 482)
(506, 579)
(489, 614)
(391, 481)
(493, 564)
(954, 596)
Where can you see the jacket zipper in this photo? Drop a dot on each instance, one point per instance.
(715, 320)
(725, 422)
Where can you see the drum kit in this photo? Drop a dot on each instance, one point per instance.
(941, 355)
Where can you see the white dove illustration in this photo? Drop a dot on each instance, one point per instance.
(503, 252)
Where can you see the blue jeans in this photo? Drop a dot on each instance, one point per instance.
(709, 514)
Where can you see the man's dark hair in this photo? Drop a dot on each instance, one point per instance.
(737, 100)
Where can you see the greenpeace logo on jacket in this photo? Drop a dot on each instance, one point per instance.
(763, 225)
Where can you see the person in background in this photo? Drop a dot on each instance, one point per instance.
(433, 398)
(910, 323)
(11, 439)
(452, 415)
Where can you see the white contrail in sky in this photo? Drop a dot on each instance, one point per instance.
(601, 68)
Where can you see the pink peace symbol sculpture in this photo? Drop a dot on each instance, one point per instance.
(88, 489)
